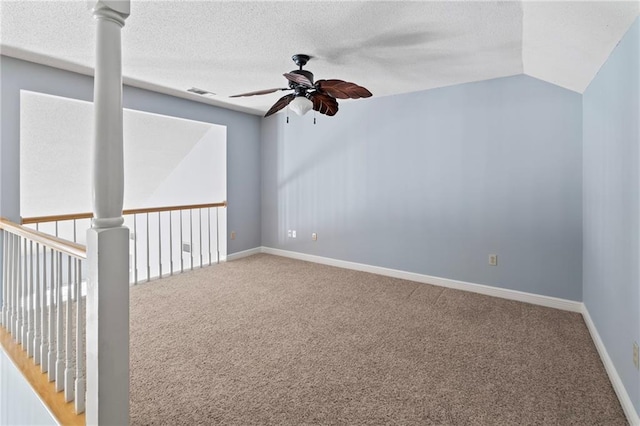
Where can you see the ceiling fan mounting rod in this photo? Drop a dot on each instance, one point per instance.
(301, 59)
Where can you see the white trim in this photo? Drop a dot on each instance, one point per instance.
(535, 299)
(65, 65)
(616, 381)
(241, 254)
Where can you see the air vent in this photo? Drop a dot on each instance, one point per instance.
(200, 92)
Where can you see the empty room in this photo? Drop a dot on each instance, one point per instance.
(319, 212)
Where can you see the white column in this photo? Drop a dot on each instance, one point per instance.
(107, 307)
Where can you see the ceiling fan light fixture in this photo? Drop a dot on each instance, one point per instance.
(321, 95)
(301, 105)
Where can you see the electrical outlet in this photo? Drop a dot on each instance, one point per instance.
(186, 247)
(132, 235)
(293, 233)
(636, 355)
(233, 235)
(493, 259)
(289, 233)
(314, 236)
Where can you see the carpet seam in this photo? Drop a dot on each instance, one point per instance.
(412, 291)
(435, 302)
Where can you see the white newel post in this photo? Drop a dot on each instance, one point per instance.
(107, 306)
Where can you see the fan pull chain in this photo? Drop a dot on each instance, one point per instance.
(314, 117)
(287, 117)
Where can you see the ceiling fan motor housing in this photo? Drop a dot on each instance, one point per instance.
(300, 91)
(301, 60)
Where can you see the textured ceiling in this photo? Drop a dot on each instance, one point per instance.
(388, 47)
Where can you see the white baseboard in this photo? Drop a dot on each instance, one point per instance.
(616, 381)
(536, 299)
(241, 254)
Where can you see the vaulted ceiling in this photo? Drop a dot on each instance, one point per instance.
(389, 47)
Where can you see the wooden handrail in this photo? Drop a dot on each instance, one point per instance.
(174, 208)
(68, 247)
(75, 216)
(56, 218)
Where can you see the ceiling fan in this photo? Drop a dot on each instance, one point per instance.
(307, 94)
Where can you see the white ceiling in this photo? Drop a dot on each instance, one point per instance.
(231, 47)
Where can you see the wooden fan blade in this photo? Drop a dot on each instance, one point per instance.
(324, 103)
(298, 79)
(343, 89)
(259, 92)
(282, 102)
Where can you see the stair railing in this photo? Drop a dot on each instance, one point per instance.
(43, 307)
(164, 240)
(43, 286)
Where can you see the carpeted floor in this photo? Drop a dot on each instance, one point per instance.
(270, 340)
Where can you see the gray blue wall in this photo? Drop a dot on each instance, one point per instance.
(19, 403)
(243, 139)
(433, 182)
(611, 231)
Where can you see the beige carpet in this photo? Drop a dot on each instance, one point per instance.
(270, 340)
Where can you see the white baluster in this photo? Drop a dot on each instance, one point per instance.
(29, 300)
(44, 345)
(18, 271)
(80, 319)
(51, 361)
(191, 236)
(171, 242)
(59, 329)
(69, 363)
(135, 251)
(23, 291)
(181, 248)
(209, 232)
(159, 245)
(15, 280)
(5, 283)
(148, 260)
(12, 285)
(20, 295)
(36, 310)
(9, 260)
(200, 234)
(217, 236)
